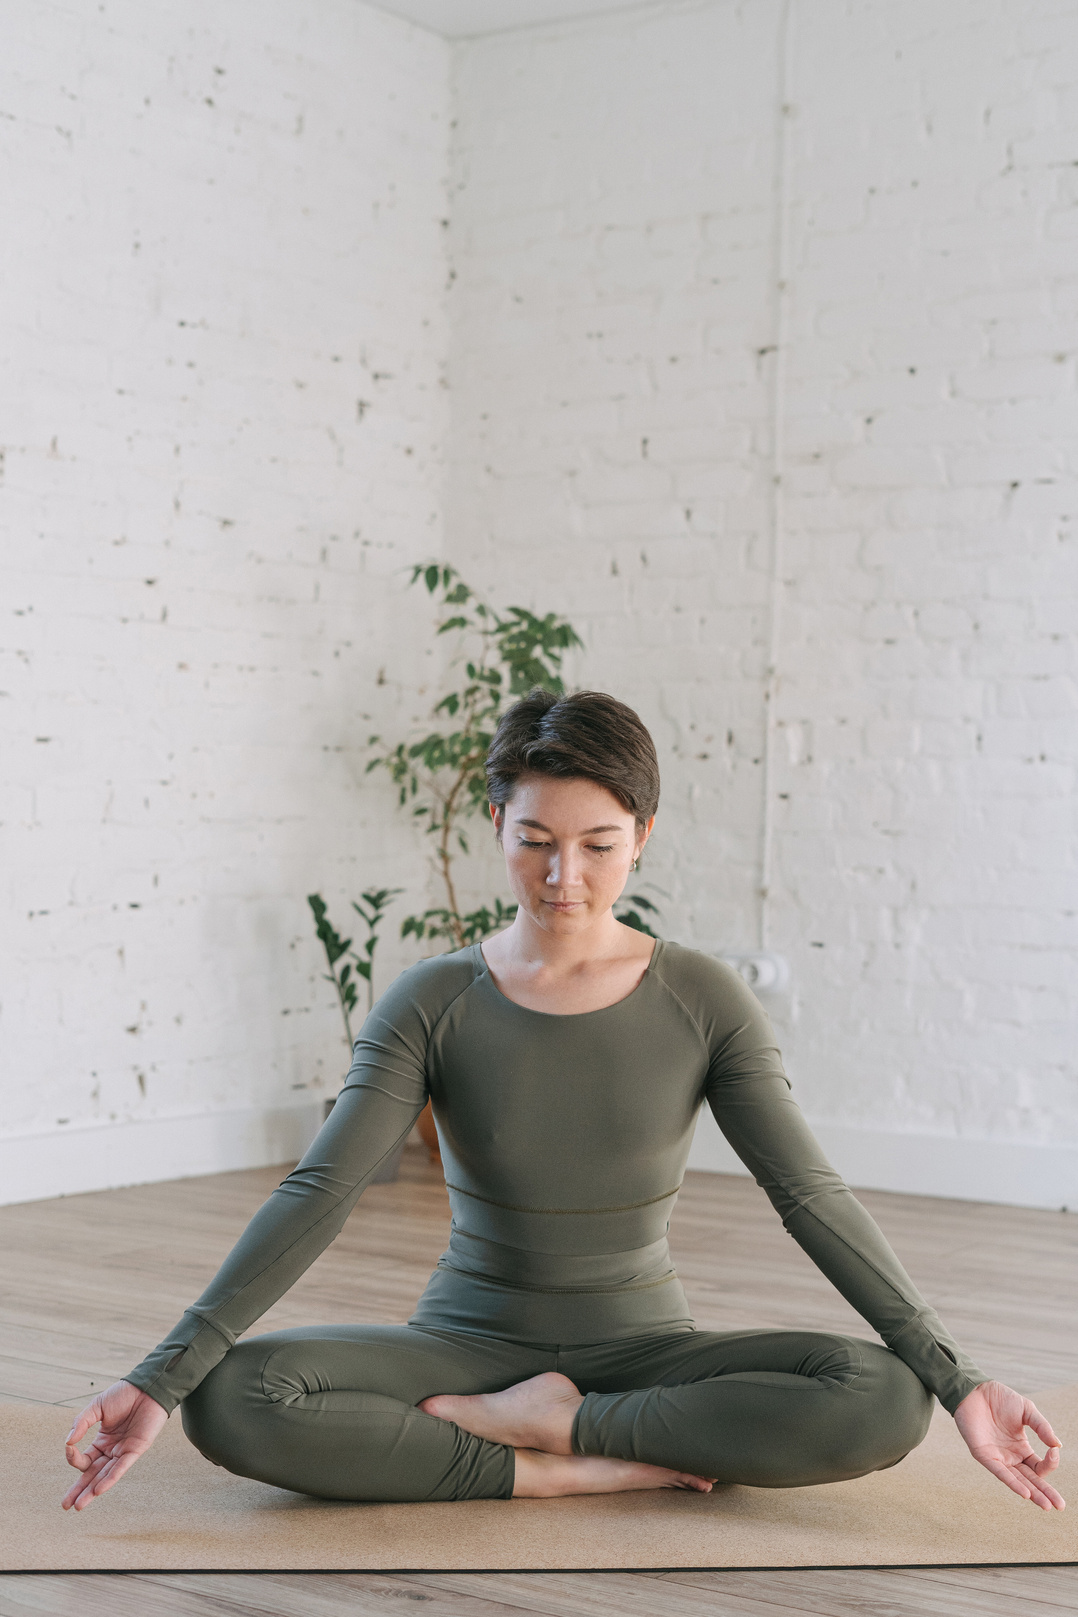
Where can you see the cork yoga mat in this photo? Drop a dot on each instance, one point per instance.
(175, 1512)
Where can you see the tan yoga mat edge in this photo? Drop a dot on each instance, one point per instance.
(175, 1512)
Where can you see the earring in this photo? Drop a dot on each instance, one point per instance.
(634, 864)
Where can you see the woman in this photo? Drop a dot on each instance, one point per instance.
(553, 1351)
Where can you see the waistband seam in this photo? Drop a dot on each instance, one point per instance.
(564, 1212)
(558, 1291)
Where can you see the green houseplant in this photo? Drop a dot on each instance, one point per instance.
(346, 964)
(439, 775)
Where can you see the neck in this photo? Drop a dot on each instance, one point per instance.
(533, 945)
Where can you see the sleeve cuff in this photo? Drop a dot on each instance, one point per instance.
(944, 1369)
(177, 1367)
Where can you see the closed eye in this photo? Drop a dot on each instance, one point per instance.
(594, 847)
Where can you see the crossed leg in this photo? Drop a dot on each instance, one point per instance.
(336, 1412)
(770, 1408)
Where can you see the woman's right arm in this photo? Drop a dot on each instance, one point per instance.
(283, 1239)
(383, 1095)
(304, 1214)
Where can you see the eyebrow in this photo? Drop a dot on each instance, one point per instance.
(538, 825)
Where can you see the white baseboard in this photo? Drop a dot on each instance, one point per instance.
(69, 1162)
(926, 1164)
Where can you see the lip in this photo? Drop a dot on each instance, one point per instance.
(563, 909)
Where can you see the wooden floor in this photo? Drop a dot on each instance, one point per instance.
(88, 1283)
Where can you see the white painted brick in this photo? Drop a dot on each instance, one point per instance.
(917, 685)
(614, 242)
(186, 276)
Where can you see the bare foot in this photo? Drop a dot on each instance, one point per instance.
(535, 1414)
(550, 1476)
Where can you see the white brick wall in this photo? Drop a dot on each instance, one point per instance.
(628, 192)
(924, 829)
(223, 418)
(612, 242)
(225, 433)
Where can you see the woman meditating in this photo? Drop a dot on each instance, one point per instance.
(553, 1351)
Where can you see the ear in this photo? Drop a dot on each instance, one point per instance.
(642, 837)
(496, 816)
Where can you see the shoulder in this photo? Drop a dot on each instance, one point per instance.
(712, 993)
(391, 1049)
(693, 974)
(425, 991)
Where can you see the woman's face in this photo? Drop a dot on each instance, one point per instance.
(569, 847)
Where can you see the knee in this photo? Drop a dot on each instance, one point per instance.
(218, 1412)
(897, 1408)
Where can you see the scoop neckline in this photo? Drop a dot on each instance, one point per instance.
(569, 1016)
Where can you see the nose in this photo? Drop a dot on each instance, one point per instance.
(564, 868)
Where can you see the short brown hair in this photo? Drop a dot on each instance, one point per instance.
(585, 736)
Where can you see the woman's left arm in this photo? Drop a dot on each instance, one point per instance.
(749, 1094)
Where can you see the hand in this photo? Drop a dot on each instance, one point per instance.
(993, 1420)
(130, 1420)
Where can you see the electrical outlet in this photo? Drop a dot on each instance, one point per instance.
(764, 972)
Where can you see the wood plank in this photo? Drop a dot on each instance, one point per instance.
(68, 1348)
(609, 1594)
(854, 1592)
(1055, 1587)
(234, 1595)
(48, 1383)
(327, 1594)
(26, 1594)
(826, 1592)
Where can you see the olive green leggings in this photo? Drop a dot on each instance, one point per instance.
(331, 1411)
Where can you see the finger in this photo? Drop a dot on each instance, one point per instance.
(1048, 1463)
(1041, 1493)
(89, 1491)
(1011, 1479)
(1039, 1487)
(84, 1482)
(1044, 1495)
(71, 1495)
(108, 1478)
(75, 1457)
(89, 1417)
(1032, 1417)
(82, 1458)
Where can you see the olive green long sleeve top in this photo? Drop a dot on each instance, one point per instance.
(564, 1141)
